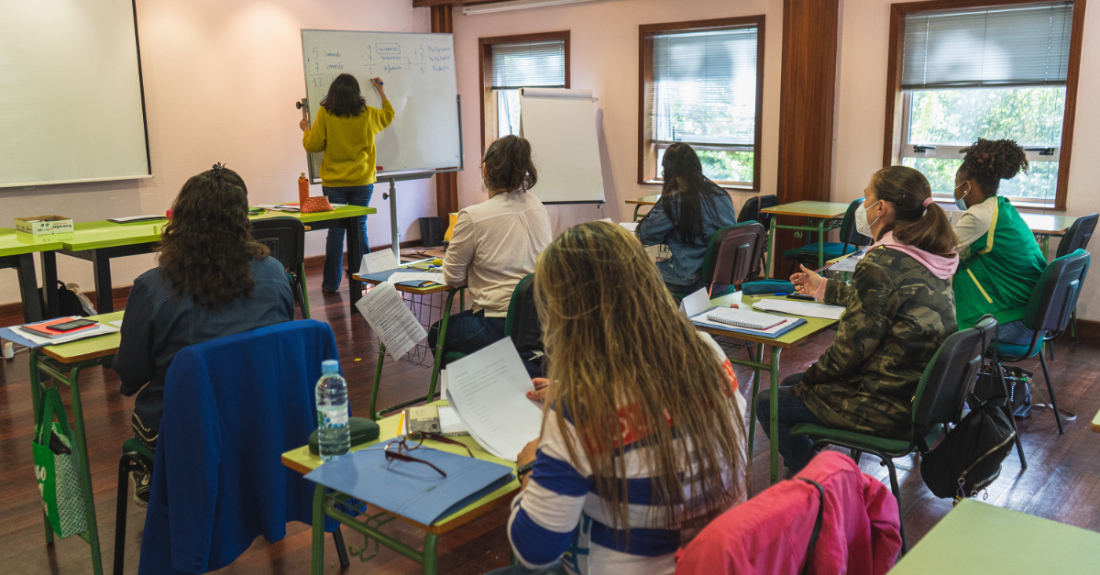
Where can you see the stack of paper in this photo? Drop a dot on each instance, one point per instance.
(785, 324)
(32, 341)
(800, 308)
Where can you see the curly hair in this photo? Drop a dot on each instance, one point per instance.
(207, 247)
(508, 165)
(988, 162)
(344, 99)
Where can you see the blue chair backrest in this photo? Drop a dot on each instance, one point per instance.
(848, 232)
(1078, 235)
(1056, 293)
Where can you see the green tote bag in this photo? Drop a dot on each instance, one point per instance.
(57, 468)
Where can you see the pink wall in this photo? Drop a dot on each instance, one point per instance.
(604, 59)
(220, 80)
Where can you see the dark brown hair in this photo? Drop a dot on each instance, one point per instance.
(508, 165)
(207, 247)
(344, 97)
(988, 162)
(922, 227)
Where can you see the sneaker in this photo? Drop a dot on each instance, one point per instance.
(326, 290)
(141, 484)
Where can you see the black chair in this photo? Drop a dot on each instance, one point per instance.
(732, 257)
(1077, 238)
(286, 238)
(1048, 313)
(750, 212)
(522, 323)
(850, 241)
(938, 400)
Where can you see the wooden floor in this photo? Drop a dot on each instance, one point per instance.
(1062, 481)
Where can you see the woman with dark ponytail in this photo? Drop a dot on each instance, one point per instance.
(494, 245)
(1000, 260)
(900, 308)
(690, 210)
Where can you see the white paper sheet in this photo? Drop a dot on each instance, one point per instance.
(379, 261)
(117, 324)
(450, 423)
(436, 277)
(489, 389)
(391, 319)
(101, 329)
(703, 319)
(800, 308)
(145, 218)
(630, 226)
(695, 303)
(443, 383)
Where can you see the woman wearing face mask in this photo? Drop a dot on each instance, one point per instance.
(900, 308)
(1000, 261)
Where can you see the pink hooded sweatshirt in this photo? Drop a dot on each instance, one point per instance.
(940, 266)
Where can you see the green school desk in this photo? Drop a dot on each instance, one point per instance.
(980, 539)
(62, 364)
(794, 338)
(644, 201)
(824, 216)
(17, 251)
(421, 301)
(1046, 225)
(302, 461)
(100, 242)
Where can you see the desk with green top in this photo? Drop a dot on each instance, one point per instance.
(328, 504)
(794, 338)
(100, 242)
(824, 216)
(17, 251)
(980, 539)
(643, 201)
(62, 364)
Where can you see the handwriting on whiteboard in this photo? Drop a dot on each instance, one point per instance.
(423, 60)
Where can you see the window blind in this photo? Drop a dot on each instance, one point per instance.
(529, 65)
(1010, 46)
(704, 86)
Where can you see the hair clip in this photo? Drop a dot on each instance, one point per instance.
(218, 167)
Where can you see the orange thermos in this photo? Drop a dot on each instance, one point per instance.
(303, 190)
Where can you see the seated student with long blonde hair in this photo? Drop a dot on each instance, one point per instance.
(643, 440)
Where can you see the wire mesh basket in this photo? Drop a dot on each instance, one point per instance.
(428, 309)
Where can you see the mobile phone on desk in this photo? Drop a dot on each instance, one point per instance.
(71, 325)
(802, 297)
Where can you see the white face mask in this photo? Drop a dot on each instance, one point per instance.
(959, 203)
(862, 225)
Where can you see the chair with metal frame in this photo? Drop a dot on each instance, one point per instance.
(1048, 314)
(750, 212)
(1077, 238)
(850, 241)
(285, 237)
(732, 256)
(939, 399)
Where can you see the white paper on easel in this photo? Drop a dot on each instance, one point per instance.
(379, 261)
(391, 319)
(489, 390)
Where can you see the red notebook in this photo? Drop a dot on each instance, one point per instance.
(43, 329)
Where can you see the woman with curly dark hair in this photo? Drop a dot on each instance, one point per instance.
(212, 280)
(1000, 261)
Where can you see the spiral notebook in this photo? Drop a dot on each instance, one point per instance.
(779, 325)
(744, 318)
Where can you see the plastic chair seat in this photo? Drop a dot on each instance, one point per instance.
(135, 446)
(1008, 350)
(863, 441)
(832, 250)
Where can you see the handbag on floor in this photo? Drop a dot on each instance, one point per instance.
(969, 457)
(989, 387)
(56, 467)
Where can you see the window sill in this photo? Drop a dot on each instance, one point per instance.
(1025, 205)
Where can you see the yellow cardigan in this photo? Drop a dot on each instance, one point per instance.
(348, 144)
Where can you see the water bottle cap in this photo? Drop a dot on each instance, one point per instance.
(330, 366)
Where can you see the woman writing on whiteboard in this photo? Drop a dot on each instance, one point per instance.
(344, 130)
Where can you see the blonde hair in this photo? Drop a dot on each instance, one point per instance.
(613, 338)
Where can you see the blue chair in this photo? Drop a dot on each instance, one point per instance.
(1048, 313)
(1077, 238)
(850, 241)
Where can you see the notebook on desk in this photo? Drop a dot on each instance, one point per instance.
(406, 277)
(722, 318)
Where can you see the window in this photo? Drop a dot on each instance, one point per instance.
(513, 62)
(701, 84)
(985, 72)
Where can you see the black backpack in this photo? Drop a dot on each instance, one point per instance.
(969, 457)
(989, 387)
(68, 301)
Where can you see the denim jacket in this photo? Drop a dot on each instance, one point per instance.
(659, 227)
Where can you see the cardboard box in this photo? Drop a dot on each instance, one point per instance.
(44, 225)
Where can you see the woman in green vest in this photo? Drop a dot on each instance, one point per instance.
(1000, 261)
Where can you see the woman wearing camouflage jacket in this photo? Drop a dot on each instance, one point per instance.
(900, 308)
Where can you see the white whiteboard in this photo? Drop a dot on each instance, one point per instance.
(418, 75)
(561, 126)
(71, 107)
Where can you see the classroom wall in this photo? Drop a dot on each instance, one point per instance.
(604, 59)
(221, 78)
(865, 32)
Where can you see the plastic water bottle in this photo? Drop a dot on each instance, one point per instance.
(333, 435)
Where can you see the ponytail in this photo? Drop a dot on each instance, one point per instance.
(920, 222)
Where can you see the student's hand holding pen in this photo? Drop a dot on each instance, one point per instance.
(541, 385)
(806, 281)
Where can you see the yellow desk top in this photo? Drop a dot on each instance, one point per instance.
(793, 338)
(302, 461)
(809, 209)
(1096, 423)
(13, 242)
(645, 201)
(91, 348)
(1048, 224)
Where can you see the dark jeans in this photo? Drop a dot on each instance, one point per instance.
(796, 450)
(468, 332)
(334, 247)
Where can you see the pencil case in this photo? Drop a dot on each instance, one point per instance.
(363, 431)
(767, 287)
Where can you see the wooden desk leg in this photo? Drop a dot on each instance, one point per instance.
(318, 560)
(774, 415)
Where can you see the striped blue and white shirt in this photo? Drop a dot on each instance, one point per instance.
(560, 516)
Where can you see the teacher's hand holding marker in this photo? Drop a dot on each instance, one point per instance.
(344, 129)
